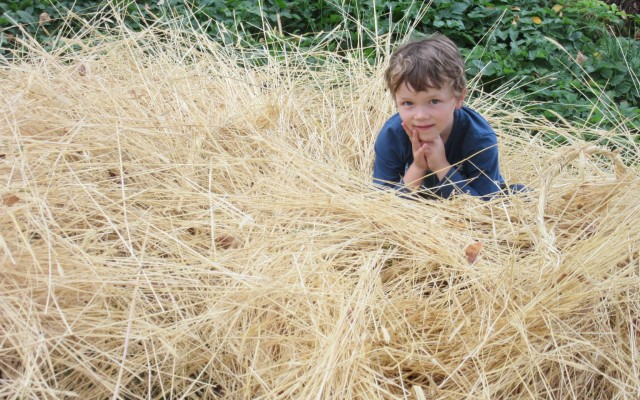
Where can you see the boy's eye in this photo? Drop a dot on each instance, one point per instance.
(435, 101)
(407, 103)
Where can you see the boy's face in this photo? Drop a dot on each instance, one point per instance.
(429, 112)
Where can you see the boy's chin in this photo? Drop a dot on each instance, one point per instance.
(427, 137)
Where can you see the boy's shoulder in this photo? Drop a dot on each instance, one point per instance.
(394, 123)
(393, 130)
(471, 124)
(471, 132)
(472, 119)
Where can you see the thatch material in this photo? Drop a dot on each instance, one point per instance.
(177, 223)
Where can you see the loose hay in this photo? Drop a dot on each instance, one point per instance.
(176, 223)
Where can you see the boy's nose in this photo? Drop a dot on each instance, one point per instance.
(422, 113)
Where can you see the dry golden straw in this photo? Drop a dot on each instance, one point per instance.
(179, 221)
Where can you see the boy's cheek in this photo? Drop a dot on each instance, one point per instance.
(405, 125)
(408, 128)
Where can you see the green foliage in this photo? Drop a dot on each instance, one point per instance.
(37, 18)
(565, 53)
(583, 59)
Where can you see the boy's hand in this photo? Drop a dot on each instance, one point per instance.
(429, 155)
(436, 157)
(418, 149)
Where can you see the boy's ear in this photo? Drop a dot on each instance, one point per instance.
(460, 102)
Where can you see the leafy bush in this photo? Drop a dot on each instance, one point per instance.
(583, 59)
(503, 43)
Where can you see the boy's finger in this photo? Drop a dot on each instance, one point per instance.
(415, 142)
(411, 134)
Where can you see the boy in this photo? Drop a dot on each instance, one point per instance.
(434, 142)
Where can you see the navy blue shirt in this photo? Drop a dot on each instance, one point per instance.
(471, 149)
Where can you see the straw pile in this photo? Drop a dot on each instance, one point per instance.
(178, 221)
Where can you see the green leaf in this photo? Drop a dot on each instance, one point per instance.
(574, 36)
(502, 34)
(459, 8)
(537, 53)
(453, 23)
(617, 79)
(25, 17)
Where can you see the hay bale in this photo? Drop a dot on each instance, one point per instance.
(179, 221)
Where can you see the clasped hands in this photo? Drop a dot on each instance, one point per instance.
(427, 156)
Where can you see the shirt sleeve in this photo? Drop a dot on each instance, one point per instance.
(477, 175)
(389, 163)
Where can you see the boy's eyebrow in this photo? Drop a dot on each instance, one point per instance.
(411, 96)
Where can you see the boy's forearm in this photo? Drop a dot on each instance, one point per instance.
(443, 171)
(414, 176)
